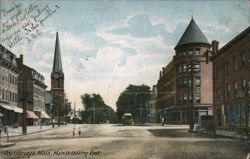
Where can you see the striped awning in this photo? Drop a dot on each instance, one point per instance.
(31, 115)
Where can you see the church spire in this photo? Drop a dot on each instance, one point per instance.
(57, 65)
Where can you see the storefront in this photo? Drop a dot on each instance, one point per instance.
(32, 118)
(11, 115)
(237, 114)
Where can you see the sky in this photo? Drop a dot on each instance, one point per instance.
(108, 44)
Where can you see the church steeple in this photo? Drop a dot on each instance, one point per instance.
(57, 64)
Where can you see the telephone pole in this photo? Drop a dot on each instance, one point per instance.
(24, 124)
(191, 102)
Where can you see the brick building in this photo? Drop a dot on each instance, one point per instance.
(187, 79)
(31, 91)
(10, 113)
(232, 82)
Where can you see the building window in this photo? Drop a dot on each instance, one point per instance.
(184, 53)
(196, 66)
(235, 63)
(185, 96)
(198, 98)
(197, 81)
(197, 52)
(227, 67)
(243, 81)
(219, 94)
(235, 89)
(235, 85)
(184, 67)
(179, 68)
(180, 98)
(243, 59)
(228, 90)
(190, 52)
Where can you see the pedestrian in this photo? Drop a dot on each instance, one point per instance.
(79, 131)
(73, 132)
(162, 121)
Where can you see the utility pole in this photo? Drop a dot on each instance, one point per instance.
(24, 124)
(94, 114)
(191, 103)
(74, 119)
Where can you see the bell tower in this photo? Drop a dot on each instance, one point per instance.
(57, 85)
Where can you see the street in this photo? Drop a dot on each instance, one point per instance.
(116, 142)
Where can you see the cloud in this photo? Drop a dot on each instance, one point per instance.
(140, 26)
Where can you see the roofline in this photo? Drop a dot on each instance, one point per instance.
(192, 43)
(7, 50)
(235, 39)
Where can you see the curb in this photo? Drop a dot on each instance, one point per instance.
(30, 133)
(7, 145)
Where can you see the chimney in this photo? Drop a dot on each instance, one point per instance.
(215, 46)
(21, 58)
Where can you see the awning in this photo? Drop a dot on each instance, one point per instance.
(32, 115)
(17, 109)
(44, 115)
(14, 108)
(6, 107)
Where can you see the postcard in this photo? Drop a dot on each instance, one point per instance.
(124, 79)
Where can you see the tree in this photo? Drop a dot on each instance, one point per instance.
(96, 111)
(134, 99)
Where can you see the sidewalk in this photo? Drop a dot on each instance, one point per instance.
(30, 130)
(225, 133)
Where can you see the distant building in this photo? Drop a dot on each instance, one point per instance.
(152, 104)
(232, 82)
(57, 84)
(33, 94)
(10, 113)
(187, 79)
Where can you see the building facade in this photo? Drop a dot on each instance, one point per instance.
(10, 113)
(31, 90)
(232, 82)
(57, 84)
(152, 105)
(185, 84)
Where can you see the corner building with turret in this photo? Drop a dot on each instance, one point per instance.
(186, 82)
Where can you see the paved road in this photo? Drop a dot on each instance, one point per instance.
(121, 142)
